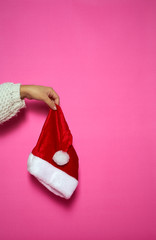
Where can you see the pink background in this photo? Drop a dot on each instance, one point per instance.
(99, 56)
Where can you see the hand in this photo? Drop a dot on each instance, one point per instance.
(45, 94)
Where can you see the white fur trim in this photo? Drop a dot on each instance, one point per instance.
(57, 181)
(61, 157)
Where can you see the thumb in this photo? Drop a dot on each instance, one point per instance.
(50, 103)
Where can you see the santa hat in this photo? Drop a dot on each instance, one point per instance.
(54, 161)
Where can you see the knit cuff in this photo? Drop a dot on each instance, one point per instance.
(10, 101)
(16, 97)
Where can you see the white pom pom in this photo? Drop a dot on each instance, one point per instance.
(61, 157)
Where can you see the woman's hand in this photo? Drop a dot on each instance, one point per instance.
(45, 94)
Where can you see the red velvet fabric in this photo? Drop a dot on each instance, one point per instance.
(55, 136)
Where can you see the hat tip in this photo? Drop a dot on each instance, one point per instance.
(61, 158)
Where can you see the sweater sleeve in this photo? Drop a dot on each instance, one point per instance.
(10, 101)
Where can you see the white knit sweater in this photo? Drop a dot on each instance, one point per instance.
(10, 101)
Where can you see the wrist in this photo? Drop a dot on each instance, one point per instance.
(23, 91)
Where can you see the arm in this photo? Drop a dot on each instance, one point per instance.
(12, 98)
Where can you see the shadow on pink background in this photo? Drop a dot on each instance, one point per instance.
(100, 57)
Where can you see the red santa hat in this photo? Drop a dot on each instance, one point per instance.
(54, 161)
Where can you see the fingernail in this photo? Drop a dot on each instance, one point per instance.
(54, 108)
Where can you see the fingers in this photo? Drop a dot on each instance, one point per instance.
(57, 101)
(50, 103)
(54, 96)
